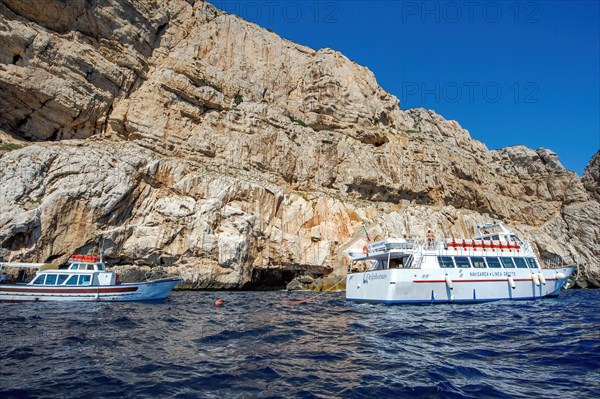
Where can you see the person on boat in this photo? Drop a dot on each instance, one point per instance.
(430, 239)
(21, 275)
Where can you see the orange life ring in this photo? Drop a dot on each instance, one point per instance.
(365, 250)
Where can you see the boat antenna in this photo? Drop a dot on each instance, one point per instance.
(366, 233)
(102, 249)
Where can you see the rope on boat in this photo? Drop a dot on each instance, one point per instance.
(316, 296)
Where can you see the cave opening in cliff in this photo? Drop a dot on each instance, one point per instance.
(271, 279)
(52, 258)
(18, 241)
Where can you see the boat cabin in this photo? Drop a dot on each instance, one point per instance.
(97, 267)
(58, 278)
(492, 262)
(496, 232)
(494, 247)
(77, 278)
(395, 261)
(78, 274)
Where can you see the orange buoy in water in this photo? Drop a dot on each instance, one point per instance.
(218, 302)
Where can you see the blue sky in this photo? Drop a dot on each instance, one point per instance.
(510, 72)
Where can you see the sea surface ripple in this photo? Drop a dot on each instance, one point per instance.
(259, 345)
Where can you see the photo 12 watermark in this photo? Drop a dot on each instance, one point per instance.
(293, 12)
(470, 92)
(526, 12)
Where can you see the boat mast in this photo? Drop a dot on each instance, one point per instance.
(102, 249)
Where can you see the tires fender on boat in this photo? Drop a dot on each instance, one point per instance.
(542, 278)
(511, 282)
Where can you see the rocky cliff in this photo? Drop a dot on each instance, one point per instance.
(195, 143)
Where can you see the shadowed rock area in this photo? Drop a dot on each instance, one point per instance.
(201, 145)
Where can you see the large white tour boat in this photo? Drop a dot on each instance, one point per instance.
(494, 265)
(85, 279)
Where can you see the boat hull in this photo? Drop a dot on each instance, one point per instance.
(454, 285)
(146, 291)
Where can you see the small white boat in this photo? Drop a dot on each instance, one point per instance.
(86, 279)
(494, 265)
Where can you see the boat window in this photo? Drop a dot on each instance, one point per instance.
(73, 266)
(80, 266)
(493, 263)
(377, 265)
(515, 238)
(72, 280)
(39, 279)
(62, 278)
(50, 279)
(90, 267)
(85, 279)
(532, 263)
(445, 261)
(100, 266)
(520, 262)
(462, 261)
(495, 237)
(506, 262)
(478, 262)
(401, 263)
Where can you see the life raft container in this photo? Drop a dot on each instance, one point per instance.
(84, 258)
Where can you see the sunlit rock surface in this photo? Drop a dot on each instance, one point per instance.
(194, 143)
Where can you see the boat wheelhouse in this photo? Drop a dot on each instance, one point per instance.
(494, 265)
(85, 279)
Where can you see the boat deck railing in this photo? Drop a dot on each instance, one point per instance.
(558, 262)
(385, 246)
(442, 248)
(20, 265)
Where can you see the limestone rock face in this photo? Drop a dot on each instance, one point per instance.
(591, 176)
(194, 143)
(63, 64)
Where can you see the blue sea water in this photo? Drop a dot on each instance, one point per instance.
(259, 345)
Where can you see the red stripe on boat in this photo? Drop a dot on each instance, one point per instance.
(478, 281)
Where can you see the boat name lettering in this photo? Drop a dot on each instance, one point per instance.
(492, 274)
(376, 276)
